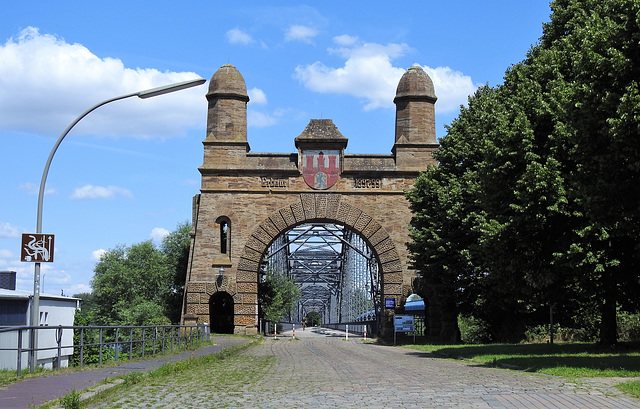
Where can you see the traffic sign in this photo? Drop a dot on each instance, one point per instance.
(37, 247)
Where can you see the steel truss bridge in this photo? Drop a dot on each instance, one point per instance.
(334, 268)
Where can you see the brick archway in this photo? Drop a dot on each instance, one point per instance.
(247, 199)
(331, 208)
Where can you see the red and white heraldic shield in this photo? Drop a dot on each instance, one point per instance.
(321, 169)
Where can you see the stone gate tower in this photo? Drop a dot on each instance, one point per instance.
(247, 199)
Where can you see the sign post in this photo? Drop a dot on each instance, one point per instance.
(36, 248)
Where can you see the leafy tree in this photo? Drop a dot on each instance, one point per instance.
(175, 247)
(142, 284)
(579, 91)
(277, 295)
(596, 46)
(87, 303)
(127, 276)
(314, 318)
(535, 200)
(446, 209)
(85, 317)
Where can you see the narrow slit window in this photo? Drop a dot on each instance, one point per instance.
(224, 235)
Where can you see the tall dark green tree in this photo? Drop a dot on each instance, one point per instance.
(597, 46)
(552, 207)
(445, 209)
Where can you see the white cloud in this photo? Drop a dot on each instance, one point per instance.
(44, 82)
(33, 189)
(452, 87)
(260, 119)
(159, 233)
(58, 277)
(80, 288)
(237, 36)
(345, 40)
(257, 96)
(97, 254)
(368, 73)
(300, 33)
(8, 230)
(100, 192)
(5, 254)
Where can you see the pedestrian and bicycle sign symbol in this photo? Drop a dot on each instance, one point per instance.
(37, 247)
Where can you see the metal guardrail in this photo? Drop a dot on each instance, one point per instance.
(356, 327)
(113, 341)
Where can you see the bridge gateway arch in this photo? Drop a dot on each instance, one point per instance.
(249, 202)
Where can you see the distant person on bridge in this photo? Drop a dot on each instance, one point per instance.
(304, 323)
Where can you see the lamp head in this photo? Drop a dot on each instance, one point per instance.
(154, 92)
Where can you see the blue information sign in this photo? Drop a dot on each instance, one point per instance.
(389, 303)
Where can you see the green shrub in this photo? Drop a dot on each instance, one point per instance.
(473, 330)
(71, 401)
(133, 378)
(628, 326)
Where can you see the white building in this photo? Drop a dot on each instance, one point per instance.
(15, 311)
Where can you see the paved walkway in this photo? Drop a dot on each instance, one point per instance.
(37, 391)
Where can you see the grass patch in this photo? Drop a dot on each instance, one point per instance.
(632, 388)
(8, 377)
(575, 360)
(227, 371)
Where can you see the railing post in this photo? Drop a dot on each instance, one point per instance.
(164, 331)
(33, 353)
(81, 346)
(116, 344)
(155, 338)
(59, 342)
(143, 330)
(172, 328)
(19, 371)
(100, 345)
(130, 343)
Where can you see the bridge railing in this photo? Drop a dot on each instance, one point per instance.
(58, 346)
(355, 327)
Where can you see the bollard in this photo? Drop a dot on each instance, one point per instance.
(346, 334)
(365, 334)
(294, 331)
(275, 331)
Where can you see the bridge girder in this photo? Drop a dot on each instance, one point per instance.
(334, 268)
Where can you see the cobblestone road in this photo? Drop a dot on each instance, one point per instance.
(322, 370)
(355, 374)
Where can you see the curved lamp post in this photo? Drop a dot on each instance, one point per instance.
(35, 308)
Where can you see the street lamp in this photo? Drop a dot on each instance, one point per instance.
(154, 92)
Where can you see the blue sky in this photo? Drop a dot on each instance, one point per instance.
(127, 172)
